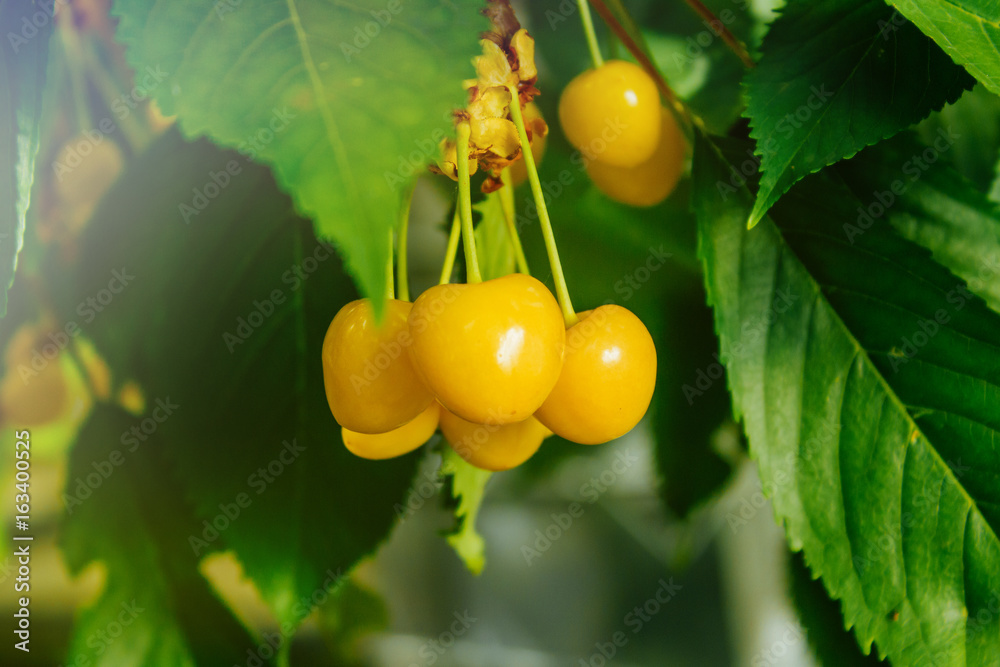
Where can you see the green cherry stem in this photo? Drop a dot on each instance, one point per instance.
(403, 277)
(562, 292)
(390, 279)
(588, 29)
(449, 257)
(506, 195)
(472, 274)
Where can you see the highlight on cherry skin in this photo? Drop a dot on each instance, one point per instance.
(371, 384)
(490, 352)
(607, 378)
(612, 114)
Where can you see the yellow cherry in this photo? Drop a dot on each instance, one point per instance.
(490, 446)
(490, 352)
(396, 442)
(370, 382)
(612, 114)
(607, 378)
(649, 183)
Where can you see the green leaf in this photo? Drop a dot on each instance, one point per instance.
(354, 613)
(976, 144)
(938, 208)
(835, 77)
(468, 485)
(128, 512)
(869, 392)
(967, 30)
(493, 245)
(820, 621)
(347, 101)
(225, 318)
(691, 402)
(23, 59)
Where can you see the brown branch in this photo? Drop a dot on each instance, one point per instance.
(720, 29)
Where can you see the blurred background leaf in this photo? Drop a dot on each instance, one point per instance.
(156, 608)
(22, 83)
(234, 341)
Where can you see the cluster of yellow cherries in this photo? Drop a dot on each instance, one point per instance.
(501, 364)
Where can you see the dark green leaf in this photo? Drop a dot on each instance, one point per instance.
(967, 30)
(869, 392)
(976, 143)
(821, 622)
(937, 208)
(347, 101)
(226, 318)
(23, 58)
(835, 77)
(128, 512)
(692, 401)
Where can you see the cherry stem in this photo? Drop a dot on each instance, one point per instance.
(401, 262)
(588, 29)
(472, 274)
(735, 45)
(449, 257)
(506, 195)
(647, 64)
(562, 292)
(390, 288)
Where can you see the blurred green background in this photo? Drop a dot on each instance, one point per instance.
(673, 559)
